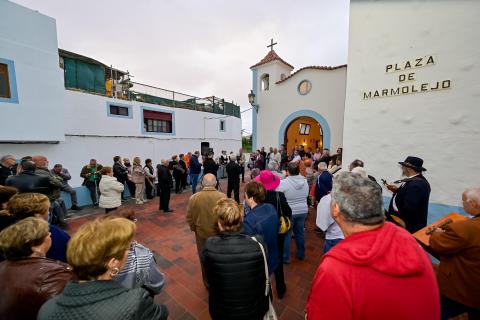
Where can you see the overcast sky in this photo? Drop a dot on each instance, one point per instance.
(202, 48)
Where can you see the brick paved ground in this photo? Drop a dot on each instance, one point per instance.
(170, 237)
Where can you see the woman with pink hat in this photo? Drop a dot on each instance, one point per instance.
(277, 199)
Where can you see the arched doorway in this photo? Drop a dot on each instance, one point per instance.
(308, 113)
(304, 131)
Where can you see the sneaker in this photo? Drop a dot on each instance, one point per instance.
(75, 207)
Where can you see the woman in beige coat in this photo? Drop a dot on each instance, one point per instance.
(138, 177)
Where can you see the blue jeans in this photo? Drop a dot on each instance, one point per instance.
(329, 244)
(298, 228)
(194, 181)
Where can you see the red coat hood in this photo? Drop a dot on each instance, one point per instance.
(383, 250)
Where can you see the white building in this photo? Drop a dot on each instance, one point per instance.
(71, 108)
(304, 107)
(413, 88)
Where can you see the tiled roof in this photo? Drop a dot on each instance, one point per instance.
(313, 68)
(271, 56)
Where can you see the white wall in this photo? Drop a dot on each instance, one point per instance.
(327, 97)
(30, 40)
(86, 114)
(441, 127)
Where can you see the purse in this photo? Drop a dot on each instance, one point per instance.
(271, 314)
(284, 223)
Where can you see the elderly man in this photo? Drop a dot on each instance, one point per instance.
(7, 168)
(63, 173)
(56, 182)
(379, 271)
(28, 181)
(323, 184)
(91, 176)
(410, 199)
(458, 246)
(164, 186)
(200, 216)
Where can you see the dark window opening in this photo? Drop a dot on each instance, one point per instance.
(155, 121)
(119, 111)
(222, 125)
(4, 82)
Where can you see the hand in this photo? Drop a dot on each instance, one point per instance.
(391, 187)
(438, 230)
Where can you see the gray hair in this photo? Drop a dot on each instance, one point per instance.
(360, 199)
(6, 157)
(273, 165)
(233, 157)
(322, 166)
(361, 171)
(255, 173)
(209, 180)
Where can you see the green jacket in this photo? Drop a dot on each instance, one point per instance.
(56, 183)
(102, 300)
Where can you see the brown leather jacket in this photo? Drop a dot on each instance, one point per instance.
(459, 270)
(26, 284)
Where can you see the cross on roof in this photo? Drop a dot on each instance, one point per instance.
(271, 44)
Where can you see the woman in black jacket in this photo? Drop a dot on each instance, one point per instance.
(234, 268)
(277, 199)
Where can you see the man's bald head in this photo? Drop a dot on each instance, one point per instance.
(40, 161)
(471, 200)
(209, 180)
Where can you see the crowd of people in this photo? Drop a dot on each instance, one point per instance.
(371, 266)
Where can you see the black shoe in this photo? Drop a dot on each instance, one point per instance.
(281, 293)
(168, 210)
(76, 208)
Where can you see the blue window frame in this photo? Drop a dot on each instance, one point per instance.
(8, 82)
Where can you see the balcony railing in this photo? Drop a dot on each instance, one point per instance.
(149, 94)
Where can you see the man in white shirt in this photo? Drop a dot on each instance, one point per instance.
(333, 233)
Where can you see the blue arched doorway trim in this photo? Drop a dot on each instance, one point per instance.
(306, 113)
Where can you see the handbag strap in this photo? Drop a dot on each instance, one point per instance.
(267, 282)
(279, 205)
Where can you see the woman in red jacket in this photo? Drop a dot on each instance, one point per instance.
(379, 271)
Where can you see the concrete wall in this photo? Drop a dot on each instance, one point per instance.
(441, 126)
(326, 99)
(29, 40)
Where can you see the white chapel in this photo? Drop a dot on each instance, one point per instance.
(302, 107)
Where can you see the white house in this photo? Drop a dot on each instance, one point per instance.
(413, 89)
(71, 108)
(304, 107)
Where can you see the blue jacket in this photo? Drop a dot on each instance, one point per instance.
(58, 250)
(263, 220)
(323, 185)
(195, 166)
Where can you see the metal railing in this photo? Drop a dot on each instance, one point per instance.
(150, 94)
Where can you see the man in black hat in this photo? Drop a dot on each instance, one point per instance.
(410, 199)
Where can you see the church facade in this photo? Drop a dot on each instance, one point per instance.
(302, 107)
